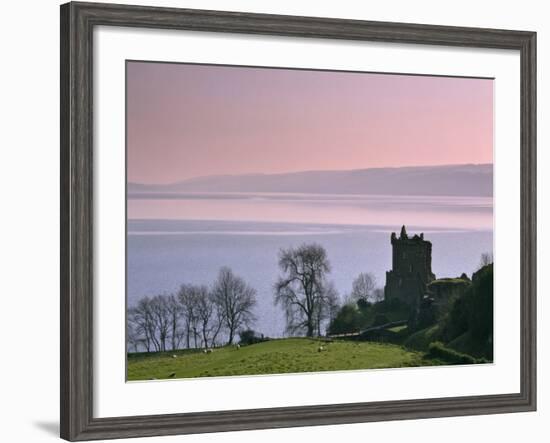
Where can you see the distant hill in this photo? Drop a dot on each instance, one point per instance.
(452, 180)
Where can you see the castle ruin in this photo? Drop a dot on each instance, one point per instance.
(411, 268)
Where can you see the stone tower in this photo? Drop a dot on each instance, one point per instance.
(411, 268)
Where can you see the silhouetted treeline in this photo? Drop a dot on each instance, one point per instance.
(197, 316)
(201, 316)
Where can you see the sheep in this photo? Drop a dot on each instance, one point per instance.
(320, 349)
(174, 356)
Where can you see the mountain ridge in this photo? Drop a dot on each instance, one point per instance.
(453, 180)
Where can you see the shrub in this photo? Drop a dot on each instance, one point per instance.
(481, 311)
(473, 313)
(348, 319)
(363, 304)
(420, 340)
(249, 337)
(380, 319)
(426, 315)
(440, 351)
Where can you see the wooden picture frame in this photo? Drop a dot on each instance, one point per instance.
(77, 23)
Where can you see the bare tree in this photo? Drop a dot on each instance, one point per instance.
(332, 302)
(235, 300)
(175, 311)
(485, 259)
(217, 320)
(378, 295)
(328, 306)
(134, 332)
(132, 335)
(188, 297)
(155, 324)
(363, 287)
(142, 320)
(301, 291)
(209, 316)
(161, 319)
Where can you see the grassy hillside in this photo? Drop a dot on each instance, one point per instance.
(421, 339)
(273, 357)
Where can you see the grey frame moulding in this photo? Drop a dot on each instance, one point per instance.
(77, 24)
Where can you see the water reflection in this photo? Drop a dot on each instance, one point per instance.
(426, 211)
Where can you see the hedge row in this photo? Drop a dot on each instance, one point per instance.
(440, 351)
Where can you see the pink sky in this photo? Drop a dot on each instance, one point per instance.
(194, 120)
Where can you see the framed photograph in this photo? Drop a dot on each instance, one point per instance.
(272, 221)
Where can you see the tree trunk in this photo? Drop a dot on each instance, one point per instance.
(174, 329)
(204, 337)
(309, 326)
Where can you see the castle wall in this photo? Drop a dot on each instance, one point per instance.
(411, 268)
(444, 291)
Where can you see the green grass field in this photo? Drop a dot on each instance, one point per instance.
(273, 357)
(398, 328)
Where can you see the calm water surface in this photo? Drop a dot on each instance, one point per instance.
(186, 238)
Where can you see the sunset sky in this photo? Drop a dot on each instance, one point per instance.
(195, 120)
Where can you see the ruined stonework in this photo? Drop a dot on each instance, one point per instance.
(443, 292)
(411, 268)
